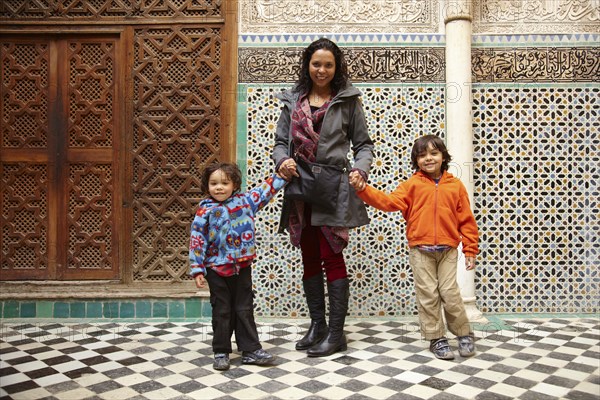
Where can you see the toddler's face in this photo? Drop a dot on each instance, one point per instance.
(220, 187)
(430, 161)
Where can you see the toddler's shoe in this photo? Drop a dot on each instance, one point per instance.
(221, 362)
(466, 346)
(257, 357)
(441, 349)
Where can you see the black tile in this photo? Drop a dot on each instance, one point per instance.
(313, 386)
(188, 387)
(561, 382)
(78, 373)
(147, 386)
(20, 387)
(436, 383)
(543, 368)
(58, 360)
(20, 360)
(519, 382)
(478, 382)
(578, 395)
(94, 360)
(38, 373)
(105, 386)
(396, 384)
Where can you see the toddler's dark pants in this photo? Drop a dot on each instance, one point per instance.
(232, 301)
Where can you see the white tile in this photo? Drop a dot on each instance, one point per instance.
(292, 379)
(291, 393)
(372, 378)
(464, 391)
(53, 379)
(19, 377)
(161, 394)
(207, 393)
(119, 394)
(334, 393)
(249, 393)
(37, 393)
(550, 390)
(79, 393)
(588, 387)
(374, 392)
(412, 377)
(331, 378)
(69, 366)
(420, 391)
(132, 379)
(507, 390)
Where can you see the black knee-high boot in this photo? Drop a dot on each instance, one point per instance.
(315, 298)
(339, 293)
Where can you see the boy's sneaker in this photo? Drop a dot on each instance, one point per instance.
(257, 357)
(221, 362)
(441, 349)
(466, 346)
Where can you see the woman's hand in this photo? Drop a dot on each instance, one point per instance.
(287, 169)
(357, 181)
(200, 281)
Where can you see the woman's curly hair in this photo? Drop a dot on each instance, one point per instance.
(341, 77)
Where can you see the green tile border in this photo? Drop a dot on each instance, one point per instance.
(125, 309)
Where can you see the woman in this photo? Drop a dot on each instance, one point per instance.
(322, 117)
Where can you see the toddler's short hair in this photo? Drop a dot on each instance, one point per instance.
(231, 170)
(421, 145)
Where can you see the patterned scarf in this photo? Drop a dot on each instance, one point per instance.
(306, 130)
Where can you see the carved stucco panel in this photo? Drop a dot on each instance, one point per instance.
(536, 16)
(360, 16)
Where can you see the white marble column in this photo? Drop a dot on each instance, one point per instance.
(459, 122)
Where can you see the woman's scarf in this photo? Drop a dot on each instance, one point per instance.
(306, 128)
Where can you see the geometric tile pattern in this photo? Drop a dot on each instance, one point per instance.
(537, 173)
(377, 256)
(535, 358)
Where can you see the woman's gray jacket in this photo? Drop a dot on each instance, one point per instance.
(343, 126)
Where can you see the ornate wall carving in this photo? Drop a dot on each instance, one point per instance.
(536, 16)
(547, 64)
(274, 16)
(371, 64)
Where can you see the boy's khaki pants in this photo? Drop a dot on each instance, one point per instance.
(434, 274)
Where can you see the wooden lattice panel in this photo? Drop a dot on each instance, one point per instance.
(24, 94)
(177, 128)
(24, 220)
(90, 217)
(91, 93)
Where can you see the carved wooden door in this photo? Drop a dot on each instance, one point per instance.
(59, 148)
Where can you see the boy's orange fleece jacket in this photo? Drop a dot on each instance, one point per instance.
(435, 214)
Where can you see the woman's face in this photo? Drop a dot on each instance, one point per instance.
(322, 68)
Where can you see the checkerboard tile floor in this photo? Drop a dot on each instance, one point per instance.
(531, 359)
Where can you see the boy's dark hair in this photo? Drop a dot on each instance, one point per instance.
(340, 79)
(231, 170)
(421, 145)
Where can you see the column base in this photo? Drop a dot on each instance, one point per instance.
(473, 313)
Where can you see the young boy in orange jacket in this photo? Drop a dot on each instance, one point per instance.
(438, 217)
